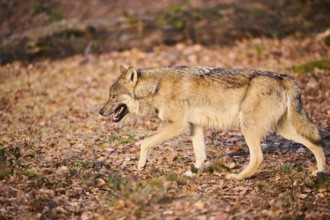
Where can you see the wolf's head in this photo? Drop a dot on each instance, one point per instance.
(121, 95)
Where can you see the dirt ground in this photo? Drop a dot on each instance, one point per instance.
(60, 159)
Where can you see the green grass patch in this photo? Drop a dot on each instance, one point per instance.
(177, 158)
(285, 198)
(9, 171)
(37, 205)
(260, 188)
(117, 181)
(287, 169)
(5, 173)
(171, 176)
(156, 182)
(219, 168)
(43, 181)
(176, 9)
(179, 23)
(322, 181)
(323, 64)
(193, 169)
(183, 180)
(51, 13)
(28, 173)
(121, 139)
(299, 168)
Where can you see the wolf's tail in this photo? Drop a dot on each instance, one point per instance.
(297, 115)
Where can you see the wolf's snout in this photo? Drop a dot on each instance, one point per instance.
(101, 112)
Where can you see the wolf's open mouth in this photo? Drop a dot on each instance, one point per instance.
(119, 113)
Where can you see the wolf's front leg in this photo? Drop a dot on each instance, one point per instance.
(169, 131)
(199, 147)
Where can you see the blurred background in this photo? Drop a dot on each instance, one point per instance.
(33, 29)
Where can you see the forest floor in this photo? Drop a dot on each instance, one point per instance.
(60, 159)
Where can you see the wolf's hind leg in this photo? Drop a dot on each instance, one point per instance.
(167, 132)
(253, 129)
(199, 146)
(256, 157)
(286, 130)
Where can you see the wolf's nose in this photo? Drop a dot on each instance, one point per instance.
(101, 111)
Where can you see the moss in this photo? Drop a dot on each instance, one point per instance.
(51, 13)
(5, 173)
(37, 205)
(179, 23)
(162, 19)
(133, 20)
(117, 181)
(323, 64)
(322, 181)
(299, 168)
(183, 180)
(28, 173)
(287, 168)
(219, 168)
(176, 9)
(156, 182)
(121, 140)
(260, 188)
(172, 176)
(194, 169)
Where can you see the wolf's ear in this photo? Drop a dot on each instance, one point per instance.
(123, 70)
(131, 75)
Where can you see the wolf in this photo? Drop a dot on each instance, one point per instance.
(189, 99)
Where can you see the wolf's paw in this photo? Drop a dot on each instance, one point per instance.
(189, 173)
(141, 166)
(315, 172)
(318, 173)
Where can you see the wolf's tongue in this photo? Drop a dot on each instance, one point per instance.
(114, 117)
(117, 113)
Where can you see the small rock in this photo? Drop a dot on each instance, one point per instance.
(189, 173)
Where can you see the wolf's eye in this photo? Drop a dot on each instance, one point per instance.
(113, 96)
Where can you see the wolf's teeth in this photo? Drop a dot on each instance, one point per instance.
(115, 116)
(121, 109)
